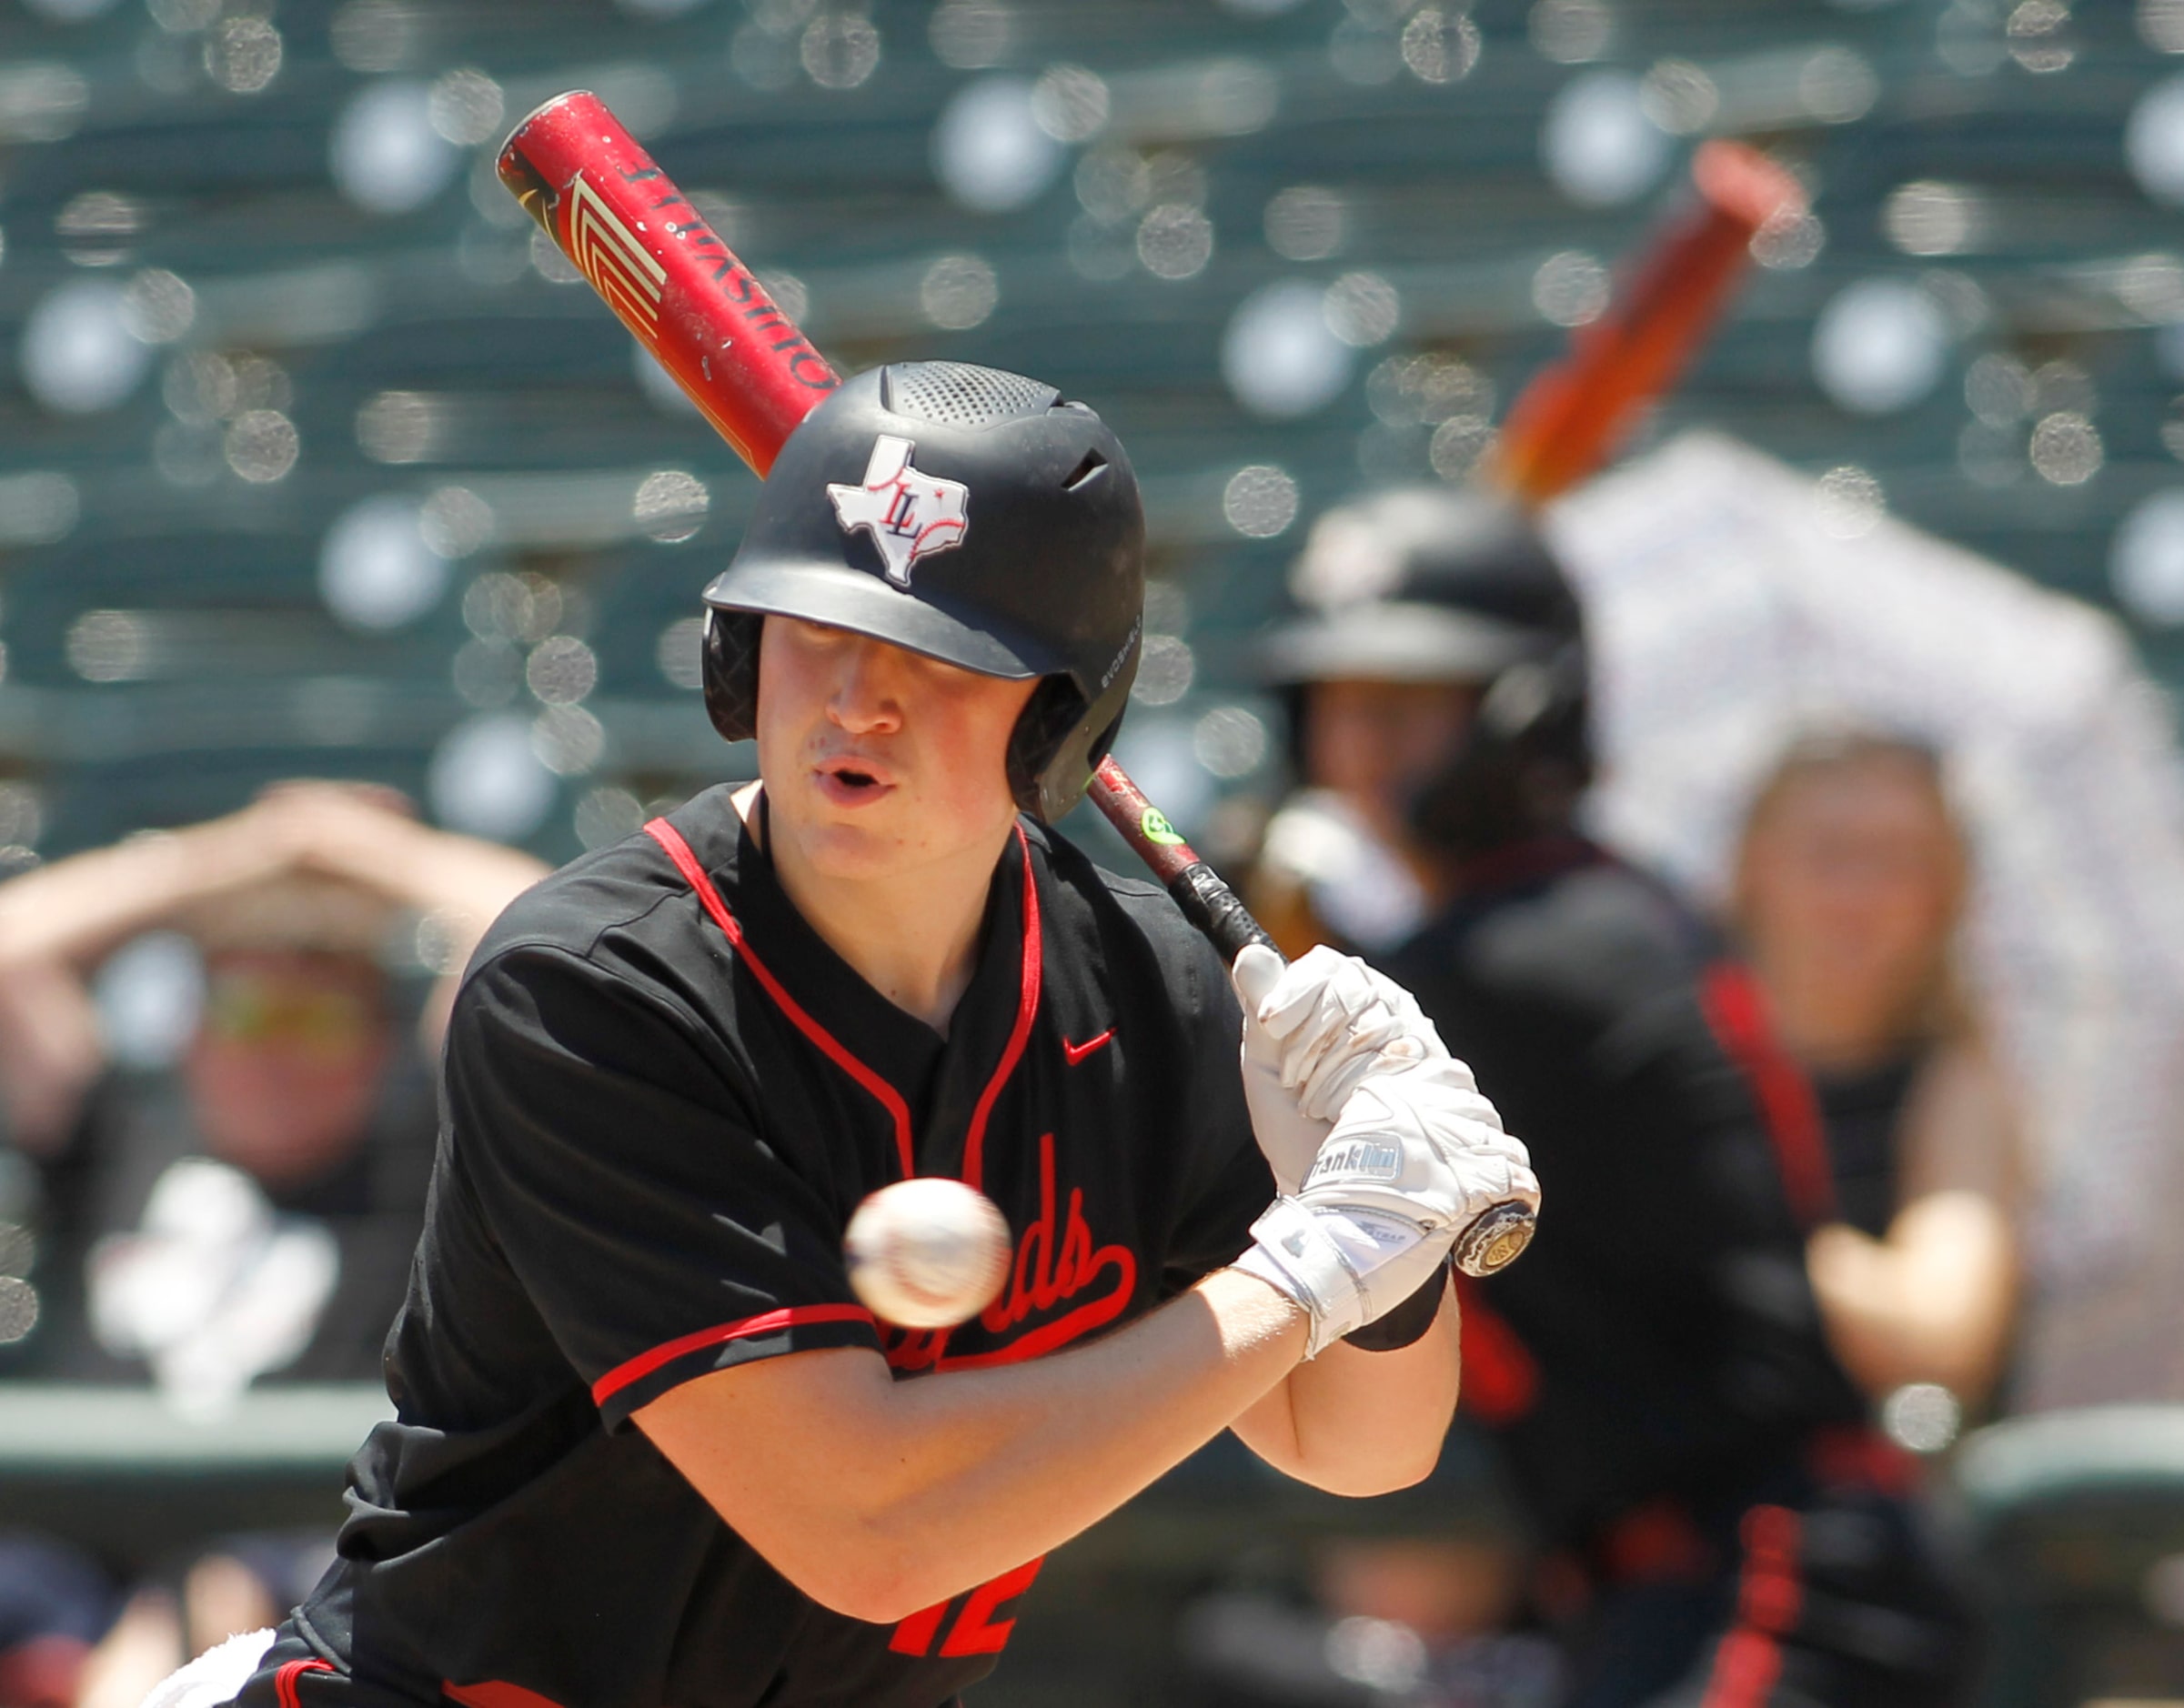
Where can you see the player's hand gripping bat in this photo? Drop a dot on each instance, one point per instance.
(684, 296)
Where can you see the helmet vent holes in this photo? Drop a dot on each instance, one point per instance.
(961, 394)
(1086, 472)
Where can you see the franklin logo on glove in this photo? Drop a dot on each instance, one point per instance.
(1361, 1159)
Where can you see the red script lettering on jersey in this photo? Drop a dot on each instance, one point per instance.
(1056, 1260)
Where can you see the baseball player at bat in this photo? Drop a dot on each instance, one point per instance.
(650, 1447)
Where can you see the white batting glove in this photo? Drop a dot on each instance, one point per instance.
(1416, 1157)
(1313, 1030)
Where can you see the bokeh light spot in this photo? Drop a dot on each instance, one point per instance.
(958, 292)
(484, 778)
(375, 570)
(77, 354)
(1260, 501)
(989, 150)
(1305, 223)
(261, 446)
(2067, 450)
(1279, 356)
(1598, 146)
(1880, 345)
(671, 506)
(387, 158)
(2145, 558)
(1175, 241)
(1570, 289)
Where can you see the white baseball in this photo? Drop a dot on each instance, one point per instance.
(927, 1254)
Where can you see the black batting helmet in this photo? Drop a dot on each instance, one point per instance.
(1434, 584)
(961, 512)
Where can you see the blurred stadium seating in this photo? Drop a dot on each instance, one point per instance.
(314, 460)
(2079, 1517)
(293, 395)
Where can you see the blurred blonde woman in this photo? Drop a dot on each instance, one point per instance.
(1849, 887)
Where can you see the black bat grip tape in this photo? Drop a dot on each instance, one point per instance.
(1213, 908)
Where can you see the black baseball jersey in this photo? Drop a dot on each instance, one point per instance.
(1862, 1110)
(1659, 1338)
(665, 1096)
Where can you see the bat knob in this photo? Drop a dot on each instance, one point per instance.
(1744, 184)
(1495, 1240)
(524, 182)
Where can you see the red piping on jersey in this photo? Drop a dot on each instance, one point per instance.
(891, 1100)
(1027, 1005)
(495, 1692)
(768, 1322)
(284, 1681)
(1738, 1013)
(1770, 1594)
(1857, 1456)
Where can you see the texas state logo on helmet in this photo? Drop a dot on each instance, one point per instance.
(974, 516)
(909, 514)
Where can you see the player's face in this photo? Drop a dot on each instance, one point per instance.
(878, 761)
(1374, 743)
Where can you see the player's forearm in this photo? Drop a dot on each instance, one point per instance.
(1357, 1422)
(465, 881)
(76, 909)
(1032, 1455)
(1932, 1302)
(897, 1495)
(50, 1052)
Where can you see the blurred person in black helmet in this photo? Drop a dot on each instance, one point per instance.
(650, 1447)
(1384, 683)
(1718, 1523)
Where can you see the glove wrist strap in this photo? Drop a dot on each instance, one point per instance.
(1297, 1252)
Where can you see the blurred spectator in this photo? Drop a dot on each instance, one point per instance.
(1850, 885)
(55, 1602)
(1716, 1514)
(237, 1583)
(1734, 614)
(253, 1214)
(1386, 1622)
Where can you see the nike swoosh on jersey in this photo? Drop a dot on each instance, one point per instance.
(1074, 1053)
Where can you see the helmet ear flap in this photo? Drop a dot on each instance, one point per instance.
(1043, 729)
(731, 671)
(1060, 740)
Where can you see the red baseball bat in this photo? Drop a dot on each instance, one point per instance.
(1570, 418)
(686, 297)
